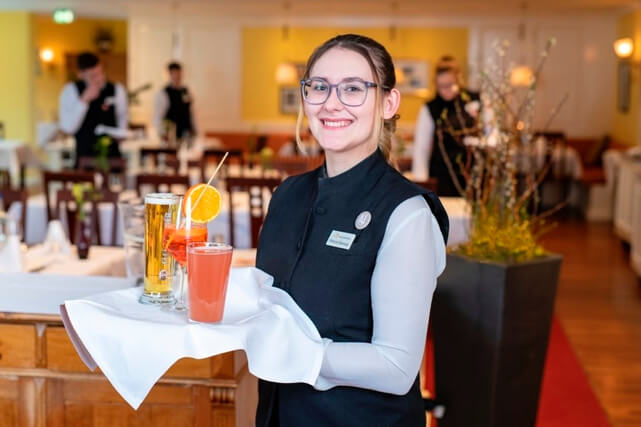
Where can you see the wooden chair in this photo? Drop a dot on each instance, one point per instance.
(5, 179)
(157, 180)
(431, 184)
(117, 169)
(170, 156)
(295, 165)
(215, 156)
(66, 178)
(254, 188)
(9, 197)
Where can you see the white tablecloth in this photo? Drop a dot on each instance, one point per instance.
(102, 261)
(42, 294)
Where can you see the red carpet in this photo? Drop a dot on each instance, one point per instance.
(566, 397)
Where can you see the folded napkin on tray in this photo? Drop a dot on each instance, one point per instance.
(135, 344)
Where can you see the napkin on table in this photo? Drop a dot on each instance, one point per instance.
(135, 344)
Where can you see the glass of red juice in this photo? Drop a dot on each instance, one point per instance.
(208, 265)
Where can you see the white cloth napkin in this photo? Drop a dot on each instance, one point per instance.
(135, 344)
(56, 242)
(11, 260)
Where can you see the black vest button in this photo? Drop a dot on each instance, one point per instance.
(321, 210)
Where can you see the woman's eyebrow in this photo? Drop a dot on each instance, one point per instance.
(346, 79)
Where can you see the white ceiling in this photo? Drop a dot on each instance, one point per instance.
(315, 8)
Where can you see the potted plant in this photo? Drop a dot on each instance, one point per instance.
(494, 302)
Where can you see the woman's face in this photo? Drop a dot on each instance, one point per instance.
(336, 127)
(447, 86)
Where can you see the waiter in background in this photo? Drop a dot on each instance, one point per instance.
(173, 107)
(92, 107)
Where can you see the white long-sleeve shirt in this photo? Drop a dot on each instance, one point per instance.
(73, 111)
(423, 145)
(161, 105)
(411, 257)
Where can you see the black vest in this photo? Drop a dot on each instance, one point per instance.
(454, 149)
(179, 111)
(101, 111)
(332, 285)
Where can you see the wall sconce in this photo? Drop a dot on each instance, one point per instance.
(286, 74)
(46, 55)
(624, 48)
(521, 76)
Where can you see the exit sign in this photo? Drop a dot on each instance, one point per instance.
(63, 16)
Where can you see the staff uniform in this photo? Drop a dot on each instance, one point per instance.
(359, 252)
(427, 158)
(105, 115)
(174, 104)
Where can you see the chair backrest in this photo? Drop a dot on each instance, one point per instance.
(295, 165)
(66, 178)
(10, 196)
(212, 155)
(170, 156)
(431, 184)
(155, 181)
(254, 188)
(66, 200)
(117, 169)
(5, 179)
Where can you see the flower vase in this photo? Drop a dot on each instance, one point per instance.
(83, 237)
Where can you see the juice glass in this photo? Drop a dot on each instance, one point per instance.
(209, 265)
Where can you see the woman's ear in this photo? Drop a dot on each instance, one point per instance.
(391, 102)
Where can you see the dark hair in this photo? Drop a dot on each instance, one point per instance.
(86, 60)
(174, 66)
(382, 67)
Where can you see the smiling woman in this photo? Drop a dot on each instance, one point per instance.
(357, 246)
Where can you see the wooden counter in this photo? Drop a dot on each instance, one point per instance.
(43, 383)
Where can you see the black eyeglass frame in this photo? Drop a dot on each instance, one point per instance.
(304, 82)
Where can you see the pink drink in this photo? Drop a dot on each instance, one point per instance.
(208, 265)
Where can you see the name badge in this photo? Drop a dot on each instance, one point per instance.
(340, 239)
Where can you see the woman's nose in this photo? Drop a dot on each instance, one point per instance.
(333, 103)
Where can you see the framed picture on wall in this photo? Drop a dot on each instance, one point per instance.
(289, 99)
(623, 87)
(412, 76)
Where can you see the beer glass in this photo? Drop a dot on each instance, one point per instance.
(160, 209)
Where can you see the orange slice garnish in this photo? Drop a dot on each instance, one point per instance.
(209, 205)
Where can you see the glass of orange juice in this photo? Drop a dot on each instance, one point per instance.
(209, 266)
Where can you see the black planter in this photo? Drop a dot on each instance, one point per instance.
(491, 324)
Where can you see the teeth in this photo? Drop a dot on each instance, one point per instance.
(336, 124)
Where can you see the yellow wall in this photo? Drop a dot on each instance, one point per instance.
(69, 38)
(626, 125)
(16, 89)
(264, 48)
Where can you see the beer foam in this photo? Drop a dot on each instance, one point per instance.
(161, 198)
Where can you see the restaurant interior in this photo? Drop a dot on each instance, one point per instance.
(545, 332)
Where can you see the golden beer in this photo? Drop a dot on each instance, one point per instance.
(160, 209)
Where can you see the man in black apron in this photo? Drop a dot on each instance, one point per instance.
(173, 117)
(93, 108)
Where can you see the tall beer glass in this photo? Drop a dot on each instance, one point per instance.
(160, 209)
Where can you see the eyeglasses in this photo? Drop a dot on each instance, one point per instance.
(351, 92)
